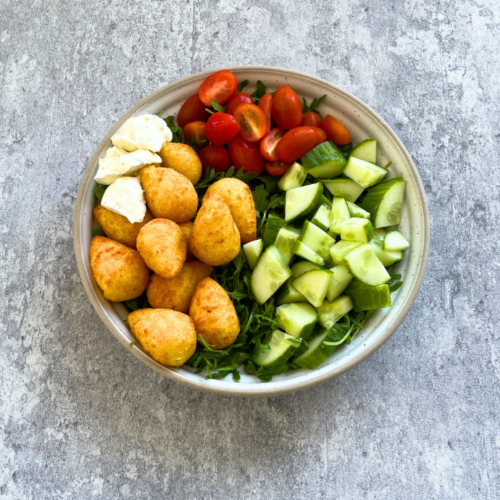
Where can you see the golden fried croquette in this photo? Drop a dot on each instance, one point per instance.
(182, 158)
(187, 228)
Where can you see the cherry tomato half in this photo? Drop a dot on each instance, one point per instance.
(268, 144)
(252, 122)
(236, 100)
(276, 168)
(287, 108)
(246, 155)
(218, 87)
(321, 135)
(335, 131)
(266, 104)
(192, 110)
(195, 131)
(216, 157)
(296, 143)
(311, 119)
(221, 128)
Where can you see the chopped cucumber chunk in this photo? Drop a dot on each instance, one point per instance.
(365, 297)
(394, 240)
(322, 217)
(344, 188)
(287, 294)
(306, 253)
(252, 252)
(340, 279)
(302, 267)
(341, 249)
(300, 350)
(293, 178)
(325, 200)
(384, 202)
(301, 201)
(338, 214)
(356, 211)
(271, 229)
(364, 173)
(285, 242)
(313, 285)
(325, 161)
(297, 320)
(362, 263)
(269, 274)
(330, 312)
(366, 150)
(281, 347)
(317, 240)
(385, 256)
(356, 229)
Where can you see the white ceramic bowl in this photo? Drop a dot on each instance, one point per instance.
(363, 123)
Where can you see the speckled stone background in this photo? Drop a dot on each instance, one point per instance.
(81, 418)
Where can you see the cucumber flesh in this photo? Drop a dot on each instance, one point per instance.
(269, 274)
(300, 202)
(364, 173)
(317, 240)
(394, 240)
(356, 229)
(344, 188)
(306, 253)
(325, 161)
(341, 249)
(281, 347)
(366, 150)
(338, 214)
(322, 217)
(330, 312)
(285, 242)
(297, 320)
(388, 258)
(293, 178)
(340, 279)
(287, 294)
(313, 285)
(252, 251)
(302, 267)
(356, 211)
(366, 298)
(271, 229)
(363, 264)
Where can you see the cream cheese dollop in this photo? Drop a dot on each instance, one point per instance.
(126, 197)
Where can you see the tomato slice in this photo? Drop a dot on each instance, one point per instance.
(218, 87)
(266, 104)
(296, 143)
(195, 132)
(216, 157)
(287, 108)
(252, 122)
(311, 119)
(192, 110)
(221, 128)
(276, 168)
(335, 131)
(246, 155)
(321, 135)
(236, 100)
(268, 144)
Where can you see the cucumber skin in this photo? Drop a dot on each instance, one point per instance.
(284, 291)
(300, 350)
(357, 291)
(316, 202)
(271, 230)
(315, 159)
(282, 359)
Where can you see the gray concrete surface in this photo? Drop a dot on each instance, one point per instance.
(82, 418)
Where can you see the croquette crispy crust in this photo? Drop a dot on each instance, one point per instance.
(182, 158)
(187, 228)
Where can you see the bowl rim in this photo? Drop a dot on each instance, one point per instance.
(253, 390)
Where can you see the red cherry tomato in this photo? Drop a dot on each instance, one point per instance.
(321, 135)
(216, 157)
(192, 110)
(221, 128)
(266, 104)
(246, 155)
(311, 119)
(268, 144)
(195, 131)
(296, 143)
(276, 168)
(252, 122)
(236, 100)
(335, 131)
(218, 87)
(287, 108)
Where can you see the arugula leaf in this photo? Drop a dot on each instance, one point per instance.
(314, 105)
(242, 85)
(260, 195)
(134, 342)
(261, 90)
(177, 133)
(99, 190)
(98, 231)
(218, 107)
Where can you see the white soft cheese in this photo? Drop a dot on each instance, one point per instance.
(125, 197)
(142, 132)
(119, 162)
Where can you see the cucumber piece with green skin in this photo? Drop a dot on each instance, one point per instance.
(366, 298)
(313, 285)
(388, 258)
(322, 218)
(297, 320)
(316, 239)
(366, 150)
(269, 274)
(320, 348)
(344, 188)
(300, 350)
(325, 161)
(384, 202)
(356, 211)
(288, 294)
(356, 229)
(341, 249)
(302, 201)
(364, 173)
(363, 264)
(293, 178)
(302, 267)
(252, 251)
(330, 312)
(271, 229)
(394, 240)
(281, 347)
(340, 279)
(306, 253)
(325, 200)
(285, 242)
(338, 214)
